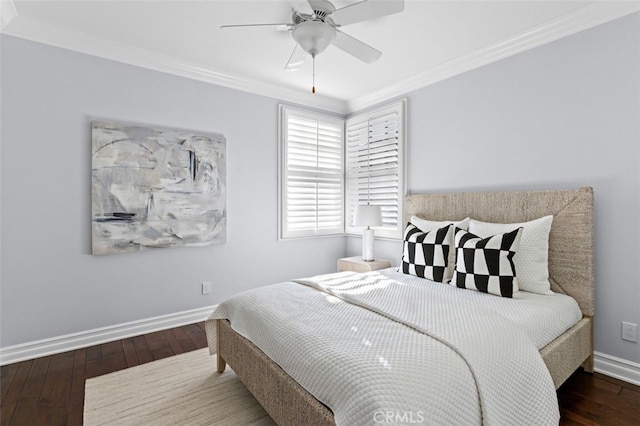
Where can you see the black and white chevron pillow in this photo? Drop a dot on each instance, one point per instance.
(486, 264)
(426, 254)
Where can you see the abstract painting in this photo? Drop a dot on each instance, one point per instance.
(154, 187)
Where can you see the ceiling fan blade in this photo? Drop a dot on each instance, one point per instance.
(7, 13)
(365, 10)
(277, 27)
(356, 48)
(301, 6)
(297, 58)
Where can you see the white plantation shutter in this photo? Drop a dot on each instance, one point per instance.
(312, 174)
(375, 166)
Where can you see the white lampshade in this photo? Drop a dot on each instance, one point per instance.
(367, 215)
(313, 36)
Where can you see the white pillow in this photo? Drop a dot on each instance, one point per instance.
(532, 258)
(430, 225)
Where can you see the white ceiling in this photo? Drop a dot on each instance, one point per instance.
(428, 41)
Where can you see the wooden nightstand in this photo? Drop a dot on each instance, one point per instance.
(356, 264)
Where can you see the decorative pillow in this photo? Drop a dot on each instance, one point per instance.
(486, 264)
(430, 225)
(532, 258)
(426, 254)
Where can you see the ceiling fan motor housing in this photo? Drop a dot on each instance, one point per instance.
(318, 15)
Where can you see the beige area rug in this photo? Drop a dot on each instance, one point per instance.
(180, 390)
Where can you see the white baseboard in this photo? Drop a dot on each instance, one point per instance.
(609, 365)
(617, 368)
(69, 342)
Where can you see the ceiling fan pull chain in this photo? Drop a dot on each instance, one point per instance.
(313, 87)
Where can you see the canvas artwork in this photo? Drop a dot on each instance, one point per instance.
(154, 187)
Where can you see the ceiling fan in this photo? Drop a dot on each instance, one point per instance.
(316, 24)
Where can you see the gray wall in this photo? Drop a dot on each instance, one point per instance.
(564, 115)
(51, 284)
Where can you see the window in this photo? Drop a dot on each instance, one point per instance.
(375, 166)
(311, 173)
(329, 166)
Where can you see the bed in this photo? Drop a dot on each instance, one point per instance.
(571, 273)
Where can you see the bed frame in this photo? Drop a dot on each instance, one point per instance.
(571, 271)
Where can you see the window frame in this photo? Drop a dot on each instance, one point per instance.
(398, 107)
(284, 112)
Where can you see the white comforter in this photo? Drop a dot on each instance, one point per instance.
(438, 361)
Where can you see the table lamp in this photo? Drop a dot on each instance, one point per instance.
(368, 216)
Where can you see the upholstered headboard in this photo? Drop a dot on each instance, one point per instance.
(570, 241)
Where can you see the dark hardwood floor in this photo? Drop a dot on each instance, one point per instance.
(50, 390)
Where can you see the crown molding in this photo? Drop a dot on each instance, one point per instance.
(46, 33)
(593, 14)
(581, 19)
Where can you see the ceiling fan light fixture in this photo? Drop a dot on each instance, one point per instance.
(314, 36)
